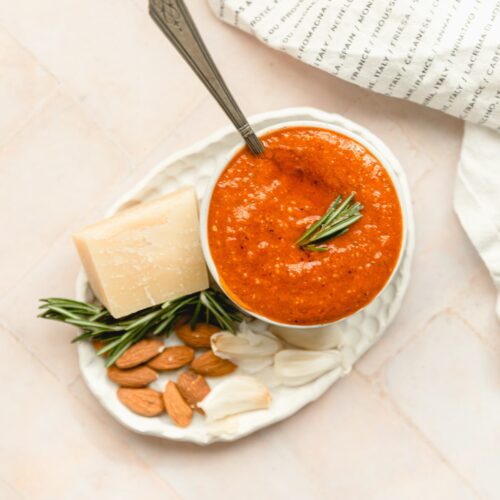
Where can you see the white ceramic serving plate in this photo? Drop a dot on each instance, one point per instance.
(334, 127)
(195, 166)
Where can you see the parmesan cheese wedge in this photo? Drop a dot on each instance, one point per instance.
(145, 255)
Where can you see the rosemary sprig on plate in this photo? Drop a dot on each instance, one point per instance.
(339, 217)
(96, 323)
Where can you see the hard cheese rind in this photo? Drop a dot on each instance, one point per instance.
(145, 255)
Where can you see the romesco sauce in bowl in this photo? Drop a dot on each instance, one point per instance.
(259, 207)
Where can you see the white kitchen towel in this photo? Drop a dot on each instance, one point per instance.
(440, 53)
(477, 195)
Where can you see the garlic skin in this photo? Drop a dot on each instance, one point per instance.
(294, 367)
(245, 345)
(268, 377)
(254, 366)
(317, 339)
(237, 394)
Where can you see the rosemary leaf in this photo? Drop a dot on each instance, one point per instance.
(96, 323)
(338, 219)
(320, 222)
(316, 248)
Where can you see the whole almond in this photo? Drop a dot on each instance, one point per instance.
(139, 353)
(134, 377)
(145, 402)
(172, 358)
(193, 388)
(199, 336)
(210, 365)
(178, 410)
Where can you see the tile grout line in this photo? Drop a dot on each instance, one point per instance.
(377, 385)
(144, 159)
(12, 487)
(67, 91)
(457, 313)
(139, 7)
(81, 106)
(381, 368)
(137, 458)
(70, 93)
(423, 175)
(447, 310)
(11, 332)
(38, 109)
(64, 234)
(383, 396)
(473, 329)
(67, 389)
(27, 50)
(140, 159)
(416, 147)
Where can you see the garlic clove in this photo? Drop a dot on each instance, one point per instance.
(294, 367)
(317, 339)
(235, 395)
(246, 344)
(253, 366)
(268, 377)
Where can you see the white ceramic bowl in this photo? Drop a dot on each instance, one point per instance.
(207, 198)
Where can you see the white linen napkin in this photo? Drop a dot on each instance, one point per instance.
(440, 53)
(477, 195)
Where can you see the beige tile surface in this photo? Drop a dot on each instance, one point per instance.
(7, 492)
(53, 170)
(475, 305)
(91, 97)
(55, 448)
(363, 435)
(24, 86)
(454, 398)
(112, 60)
(48, 341)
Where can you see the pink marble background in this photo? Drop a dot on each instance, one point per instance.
(91, 96)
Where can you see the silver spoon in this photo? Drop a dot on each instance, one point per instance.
(177, 24)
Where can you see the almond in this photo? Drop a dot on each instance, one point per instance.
(139, 353)
(181, 320)
(178, 410)
(145, 402)
(212, 366)
(193, 388)
(197, 337)
(172, 358)
(98, 345)
(134, 377)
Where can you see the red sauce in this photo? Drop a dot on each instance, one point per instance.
(261, 206)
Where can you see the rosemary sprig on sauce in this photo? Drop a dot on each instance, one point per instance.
(339, 217)
(96, 323)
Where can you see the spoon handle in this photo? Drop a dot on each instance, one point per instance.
(177, 24)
